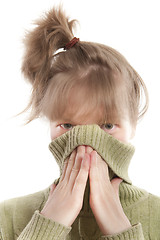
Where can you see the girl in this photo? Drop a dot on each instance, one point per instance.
(91, 96)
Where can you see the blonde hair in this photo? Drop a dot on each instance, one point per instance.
(89, 74)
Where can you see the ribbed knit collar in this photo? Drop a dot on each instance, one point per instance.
(116, 154)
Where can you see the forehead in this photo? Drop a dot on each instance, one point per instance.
(80, 115)
(95, 97)
(81, 106)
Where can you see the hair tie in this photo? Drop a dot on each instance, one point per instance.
(71, 43)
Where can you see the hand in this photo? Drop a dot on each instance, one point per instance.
(66, 199)
(104, 197)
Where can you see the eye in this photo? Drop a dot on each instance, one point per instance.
(108, 126)
(67, 126)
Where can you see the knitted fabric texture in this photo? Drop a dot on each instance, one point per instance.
(116, 154)
(20, 218)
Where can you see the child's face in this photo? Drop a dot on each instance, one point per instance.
(123, 130)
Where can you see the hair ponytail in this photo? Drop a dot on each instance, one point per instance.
(53, 31)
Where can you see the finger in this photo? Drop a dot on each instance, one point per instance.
(81, 179)
(103, 169)
(115, 184)
(64, 169)
(79, 156)
(89, 149)
(77, 164)
(69, 166)
(93, 173)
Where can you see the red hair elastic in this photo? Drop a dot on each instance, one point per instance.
(71, 43)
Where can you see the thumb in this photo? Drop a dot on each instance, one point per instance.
(115, 184)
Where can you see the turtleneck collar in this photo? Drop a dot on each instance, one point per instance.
(114, 152)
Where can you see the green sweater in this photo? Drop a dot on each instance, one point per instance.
(20, 218)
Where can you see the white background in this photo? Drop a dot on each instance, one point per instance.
(130, 26)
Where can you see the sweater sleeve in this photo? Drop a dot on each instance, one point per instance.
(40, 227)
(133, 233)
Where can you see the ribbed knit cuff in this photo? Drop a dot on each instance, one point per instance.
(133, 233)
(41, 228)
